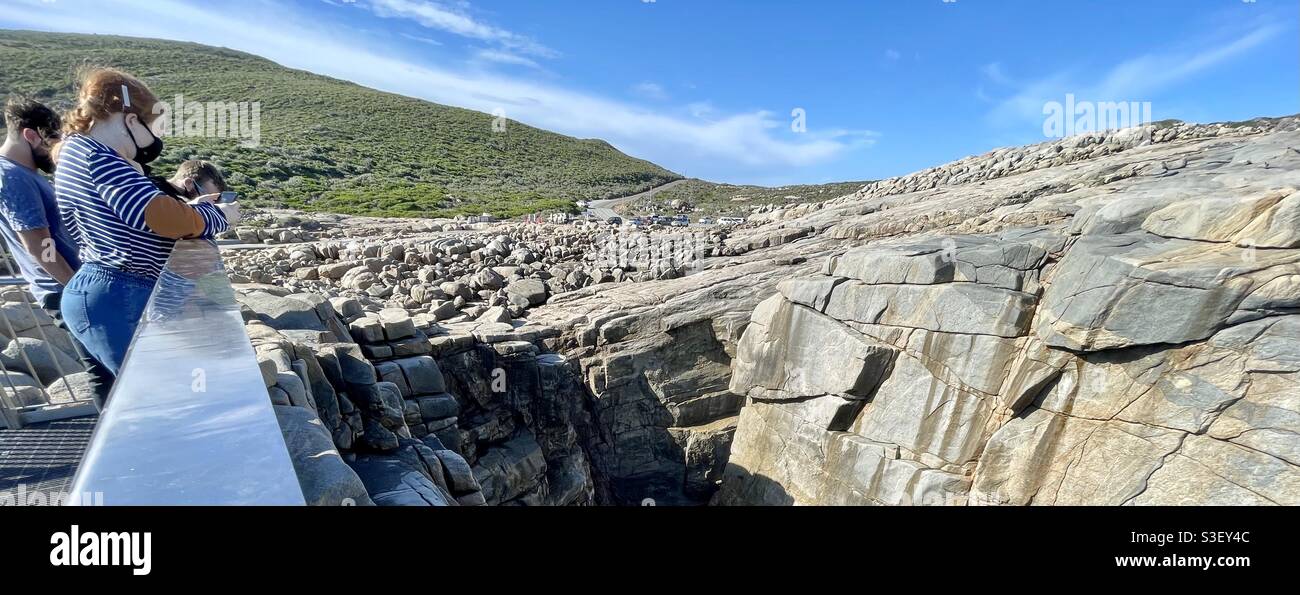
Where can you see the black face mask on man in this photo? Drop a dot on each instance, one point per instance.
(149, 153)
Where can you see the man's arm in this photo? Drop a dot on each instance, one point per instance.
(40, 246)
(22, 208)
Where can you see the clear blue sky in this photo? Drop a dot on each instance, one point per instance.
(707, 87)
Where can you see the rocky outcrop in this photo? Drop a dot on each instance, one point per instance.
(1103, 319)
(516, 267)
(325, 479)
(391, 409)
(1139, 288)
(1143, 361)
(656, 358)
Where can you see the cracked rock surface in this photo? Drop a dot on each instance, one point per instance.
(1107, 319)
(1110, 319)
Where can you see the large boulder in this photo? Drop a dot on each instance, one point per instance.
(71, 388)
(495, 314)
(1140, 289)
(948, 307)
(283, 313)
(531, 292)
(336, 270)
(47, 363)
(325, 479)
(511, 470)
(1271, 220)
(487, 279)
(419, 473)
(790, 351)
(998, 262)
(422, 375)
(396, 323)
(21, 317)
(366, 329)
(21, 389)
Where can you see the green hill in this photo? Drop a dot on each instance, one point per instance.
(331, 145)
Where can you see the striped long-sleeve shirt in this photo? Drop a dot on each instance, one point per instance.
(102, 202)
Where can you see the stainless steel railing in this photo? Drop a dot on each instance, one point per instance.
(189, 421)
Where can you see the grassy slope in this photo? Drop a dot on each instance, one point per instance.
(335, 146)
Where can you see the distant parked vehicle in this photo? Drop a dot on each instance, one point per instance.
(681, 221)
(730, 220)
(705, 221)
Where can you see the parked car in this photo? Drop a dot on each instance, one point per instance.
(681, 221)
(705, 221)
(730, 220)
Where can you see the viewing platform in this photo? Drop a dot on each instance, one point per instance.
(188, 421)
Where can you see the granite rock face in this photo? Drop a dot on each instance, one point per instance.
(1059, 324)
(1145, 360)
(1111, 318)
(421, 413)
(1139, 288)
(326, 480)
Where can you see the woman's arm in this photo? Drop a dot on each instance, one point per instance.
(138, 203)
(171, 218)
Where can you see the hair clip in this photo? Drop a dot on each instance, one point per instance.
(126, 97)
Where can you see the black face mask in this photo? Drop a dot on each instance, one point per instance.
(147, 154)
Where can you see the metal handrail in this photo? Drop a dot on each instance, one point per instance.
(14, 415)
(189, 421)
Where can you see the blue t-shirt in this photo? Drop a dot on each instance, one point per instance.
(27, 202)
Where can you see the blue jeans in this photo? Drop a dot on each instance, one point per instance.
(100, 379)
(102, 307)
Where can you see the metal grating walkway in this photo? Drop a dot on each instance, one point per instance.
(43, 457)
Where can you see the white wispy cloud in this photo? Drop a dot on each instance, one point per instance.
(1136, 79)
(421, 39)
(693, 134)
(994, 73)
(650, 90)
(434, 15)
(504, 57)
(701, 110)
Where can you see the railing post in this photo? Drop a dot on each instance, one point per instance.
(12, 412)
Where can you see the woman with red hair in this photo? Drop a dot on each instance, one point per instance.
(124, 225)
